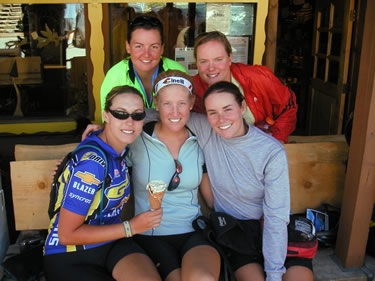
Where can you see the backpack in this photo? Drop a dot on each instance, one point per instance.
(302, 239)
(52, 210)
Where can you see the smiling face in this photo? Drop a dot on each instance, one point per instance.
(145, 49)
(174, 103)
(213, 62)
(225, 114)
(120, 133)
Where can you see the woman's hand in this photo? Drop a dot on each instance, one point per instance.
(146, 220)
(91, 128)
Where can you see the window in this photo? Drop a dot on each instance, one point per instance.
(43, 75)
(182, 22)
(42, 55)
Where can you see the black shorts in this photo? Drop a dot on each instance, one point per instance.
(94, 264)
(167, 251)
(237, 260)
(299, 261)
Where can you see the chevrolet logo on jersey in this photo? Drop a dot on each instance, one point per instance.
(87, 178)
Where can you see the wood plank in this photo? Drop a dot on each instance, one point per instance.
(42, 152)
(317, 173)
(310, 139)
(31, 181)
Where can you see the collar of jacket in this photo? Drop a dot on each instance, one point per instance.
(132, 73)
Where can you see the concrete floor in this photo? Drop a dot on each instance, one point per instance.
(328, 268)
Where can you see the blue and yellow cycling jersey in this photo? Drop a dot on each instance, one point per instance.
(80, 191)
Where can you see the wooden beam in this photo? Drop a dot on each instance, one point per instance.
(359, 191)
(269, 57)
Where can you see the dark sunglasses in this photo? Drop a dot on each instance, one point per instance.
(144, 20)
(175, 180)
(122, 115)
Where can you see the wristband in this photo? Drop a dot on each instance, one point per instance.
(127, 229)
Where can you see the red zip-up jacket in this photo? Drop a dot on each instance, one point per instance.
(265, 95)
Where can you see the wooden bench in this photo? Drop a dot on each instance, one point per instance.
(317, 168)
(31, 181)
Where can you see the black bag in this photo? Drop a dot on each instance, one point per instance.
(370, 246)
(226, 232)
(242, 236)
(328, 238)
(302, 240)
(27, 265)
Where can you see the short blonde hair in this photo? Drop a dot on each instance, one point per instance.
(212, 36)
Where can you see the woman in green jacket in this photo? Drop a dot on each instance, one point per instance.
(145, 45)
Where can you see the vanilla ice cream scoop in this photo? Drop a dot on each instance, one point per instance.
(156, 190)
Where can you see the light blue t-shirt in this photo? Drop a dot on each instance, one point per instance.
(151, 160)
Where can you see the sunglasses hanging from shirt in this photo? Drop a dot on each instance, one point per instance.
(175, 180)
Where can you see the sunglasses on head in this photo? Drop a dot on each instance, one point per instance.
(122, 115)
(144, 20)
(175, 180)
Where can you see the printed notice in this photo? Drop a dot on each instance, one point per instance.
(218, 17)
(242, 19)
(185, 56)
(240, 48)
(230, 19)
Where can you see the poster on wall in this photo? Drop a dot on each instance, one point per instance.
(241, 19)
(231, 19)
(240, 48)
(218, 17)
(185, 56)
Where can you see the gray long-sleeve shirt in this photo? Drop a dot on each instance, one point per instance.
(250, 179)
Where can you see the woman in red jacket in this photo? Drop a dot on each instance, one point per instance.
(265, 95)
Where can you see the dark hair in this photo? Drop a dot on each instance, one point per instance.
(119, 90)
(212, 36)
(227, 87)
(145, 22)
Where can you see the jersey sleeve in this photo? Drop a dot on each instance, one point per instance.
(86, 177)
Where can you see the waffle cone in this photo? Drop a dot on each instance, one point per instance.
(155, 199)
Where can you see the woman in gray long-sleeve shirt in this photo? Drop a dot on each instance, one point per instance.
(248, 171)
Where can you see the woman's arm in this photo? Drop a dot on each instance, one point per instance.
(91, 128)
(206, 191)
(73, 230)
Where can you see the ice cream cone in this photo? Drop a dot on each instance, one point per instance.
(156, 190)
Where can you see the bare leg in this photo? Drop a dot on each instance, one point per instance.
(175, 275)
(250, 272)
(298, 273)
(135, 266)
(201, 263)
